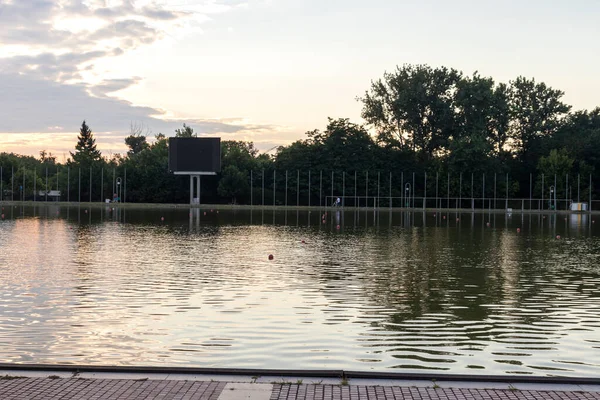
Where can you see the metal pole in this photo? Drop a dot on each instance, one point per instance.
(102, 185)
(542, 207)
(23, 191)
(555, 190)
(367, 190)
(79, 186)
(448, 192)
(425, 191)
(578, 183)
(378, 177)
(402, 203)
(274, 187)
(494, 190)
(590, 205)
(125, 186)
(57, 180)
(309, 187)
(460, 191)
(343, 188)
(331, 186)
(251, 187)
(68, 184)
(436, 189)
(566, 191)
(472, 186)
(286, 186)
(1, 185)
(198, 189)
(90, 184)
(297, 188)
(412, 189)
(34, 182)
(355, 192)
(263, 187)
(530, 189)
(113, 187)
(390, 191)
(506, 207)
(483, 192)
(321, 188)
(192, 179)
(46, 183)
(12, 183)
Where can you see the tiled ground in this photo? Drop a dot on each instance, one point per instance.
(113, 389)
(77, 388)
(331, 392)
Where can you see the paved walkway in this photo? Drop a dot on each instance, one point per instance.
(27, 385)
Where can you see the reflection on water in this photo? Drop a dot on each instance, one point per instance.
(444, 292)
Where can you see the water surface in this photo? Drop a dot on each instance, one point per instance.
(360, 291)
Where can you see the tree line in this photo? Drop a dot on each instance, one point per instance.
(433, 122)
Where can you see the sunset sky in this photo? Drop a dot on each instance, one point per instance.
(261, 70)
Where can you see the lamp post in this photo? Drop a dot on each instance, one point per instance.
(552, 206)
(407, 190)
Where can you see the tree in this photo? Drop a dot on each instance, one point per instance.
(86, 152)
(136, 141)
(233, 183)
(536, 112)
(413, 107)
(185, 132)
(47, 157)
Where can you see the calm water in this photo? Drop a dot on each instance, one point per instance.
(410, 292)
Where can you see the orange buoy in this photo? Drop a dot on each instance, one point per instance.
(337, 227)
(270, 256)
(558, 237)
(2, 216)
(518, 230)
(303, 242)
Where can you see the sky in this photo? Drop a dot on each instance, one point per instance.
(265, 71)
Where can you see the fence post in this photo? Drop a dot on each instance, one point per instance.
(367, 190)
(494, 190)
(79, 186)
(251, 190)
(309, 187)
(46, 183)
(390, 190)
(274, 188)
(286, 187)
(343, 188)
(90, 184)
(355, 191)
(530, 189)
(542, 207)
(297, 187)
(448, 192)
(472, 193)
(125, 186)
(68, 184)
(460, 191)
(331, 186)
(378, 176)
(402, 204)
(436, 189)
(425, 191)
(590, 206)
(263, 187)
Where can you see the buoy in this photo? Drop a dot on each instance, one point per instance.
(488, 224)
(337, 227)
(86, 211)
(457, 219)
(162, 218)
(518, 230)
(2, 216)
(270, 256)
(323, 221)
(303, 242)
(558, 237)
(204, 212)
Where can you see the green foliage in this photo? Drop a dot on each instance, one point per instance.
(233, 182)
(86, 152)
(136, 143)
(556, 163)
(185, 132)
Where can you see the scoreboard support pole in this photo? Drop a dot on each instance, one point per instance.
(194, 178)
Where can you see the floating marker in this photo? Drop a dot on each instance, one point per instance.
(488, 224)
(557, 237)
(162, 218)
(444, 217)
(337, 227)
(2, 216)
(457, 219)
(204, 212)
(303, 242)
(518, 230)
(270, 256)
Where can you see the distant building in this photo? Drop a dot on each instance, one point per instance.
(53, 195)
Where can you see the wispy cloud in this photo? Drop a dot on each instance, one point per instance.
(48, 77)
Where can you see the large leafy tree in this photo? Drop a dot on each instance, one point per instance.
(413, 107)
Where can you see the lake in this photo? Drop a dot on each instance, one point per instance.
(444, 292)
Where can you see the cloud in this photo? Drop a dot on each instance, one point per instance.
(49, 83)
